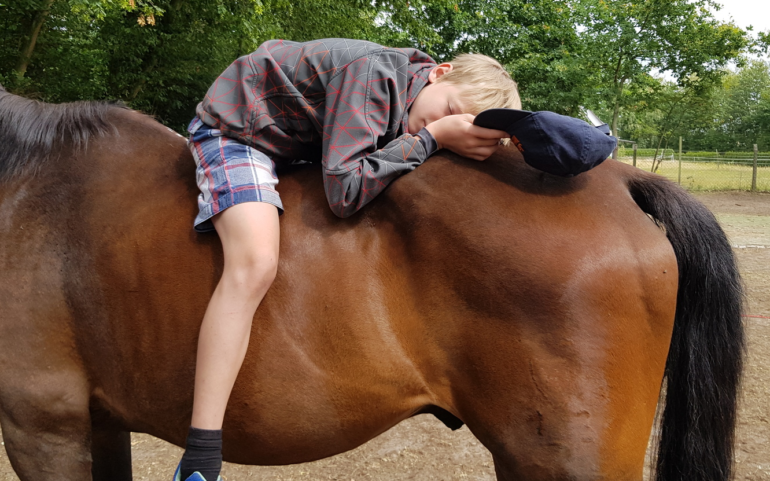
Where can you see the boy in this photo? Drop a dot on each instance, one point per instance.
(369, 113)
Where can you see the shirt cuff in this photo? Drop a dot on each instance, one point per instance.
(428, 141)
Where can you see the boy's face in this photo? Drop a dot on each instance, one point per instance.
(435, 101)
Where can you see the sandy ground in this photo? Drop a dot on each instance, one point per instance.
(424, 449)
(746, 219)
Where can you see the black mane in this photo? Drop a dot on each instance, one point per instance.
(33, 131)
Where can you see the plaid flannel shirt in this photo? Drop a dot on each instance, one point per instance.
(351, 97)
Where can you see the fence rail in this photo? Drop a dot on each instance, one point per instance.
(705, 173)
(728, 160)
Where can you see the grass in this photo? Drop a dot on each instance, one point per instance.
(709, 176)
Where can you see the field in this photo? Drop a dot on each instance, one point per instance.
(423, 449)
(709, 176)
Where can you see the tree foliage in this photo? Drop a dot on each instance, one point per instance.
(160, 56)
(739, 115)
(536, 40)
(628, 39)
(730, 114)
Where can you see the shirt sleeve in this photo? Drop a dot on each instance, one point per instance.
(428, 141)
(364, 103)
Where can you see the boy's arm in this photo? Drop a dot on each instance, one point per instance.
(362, 104)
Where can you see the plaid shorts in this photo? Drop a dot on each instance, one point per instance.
(228, 173)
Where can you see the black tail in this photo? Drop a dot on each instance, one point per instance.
(705, 360)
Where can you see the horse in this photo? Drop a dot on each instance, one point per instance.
(553, 316)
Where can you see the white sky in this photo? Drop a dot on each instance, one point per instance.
(745, 13)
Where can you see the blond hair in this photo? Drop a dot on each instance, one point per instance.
(484, 83)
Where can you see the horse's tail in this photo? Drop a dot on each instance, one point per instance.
(705, 359)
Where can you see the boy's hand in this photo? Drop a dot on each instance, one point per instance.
(458, 134)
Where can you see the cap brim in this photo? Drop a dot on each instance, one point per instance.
(500, 119)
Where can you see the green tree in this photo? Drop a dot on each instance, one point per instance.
(732, 113)
(160, 56)
(624, 41)
(747, 97)
(740, 111)
(682, 109)
(22, 22)
(763, 42)
(536, 40)
(36, 15)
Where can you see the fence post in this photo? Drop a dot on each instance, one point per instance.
(680, 160)
(754, 173)
(634, 154)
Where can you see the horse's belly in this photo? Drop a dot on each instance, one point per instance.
(325, 375)
(291, 408)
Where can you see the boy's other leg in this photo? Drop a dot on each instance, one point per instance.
(250, 236)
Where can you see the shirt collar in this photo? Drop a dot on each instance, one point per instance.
(419, 73)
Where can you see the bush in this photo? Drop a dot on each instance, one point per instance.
(625, 151)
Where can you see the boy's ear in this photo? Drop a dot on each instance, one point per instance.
(439, 71)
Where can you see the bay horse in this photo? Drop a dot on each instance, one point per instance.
(545, 313)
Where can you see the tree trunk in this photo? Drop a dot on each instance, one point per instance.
(654, 157)
(666, 123)
(663, 154)
(619, 81)
(616, 111)
(29, 44)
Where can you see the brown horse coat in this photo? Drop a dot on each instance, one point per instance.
(537, 310)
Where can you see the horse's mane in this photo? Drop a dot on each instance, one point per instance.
(33, 131)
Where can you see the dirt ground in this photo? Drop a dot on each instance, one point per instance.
(746, 220)
(424, 449)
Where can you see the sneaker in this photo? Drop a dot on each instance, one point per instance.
(196, 476)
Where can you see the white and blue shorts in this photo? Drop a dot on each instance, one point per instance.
(228, 173)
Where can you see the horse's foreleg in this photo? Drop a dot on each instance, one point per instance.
(111, 452)
(46, 425)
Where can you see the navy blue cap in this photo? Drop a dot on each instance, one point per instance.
(550, 142)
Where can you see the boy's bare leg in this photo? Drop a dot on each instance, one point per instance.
(249, 233)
